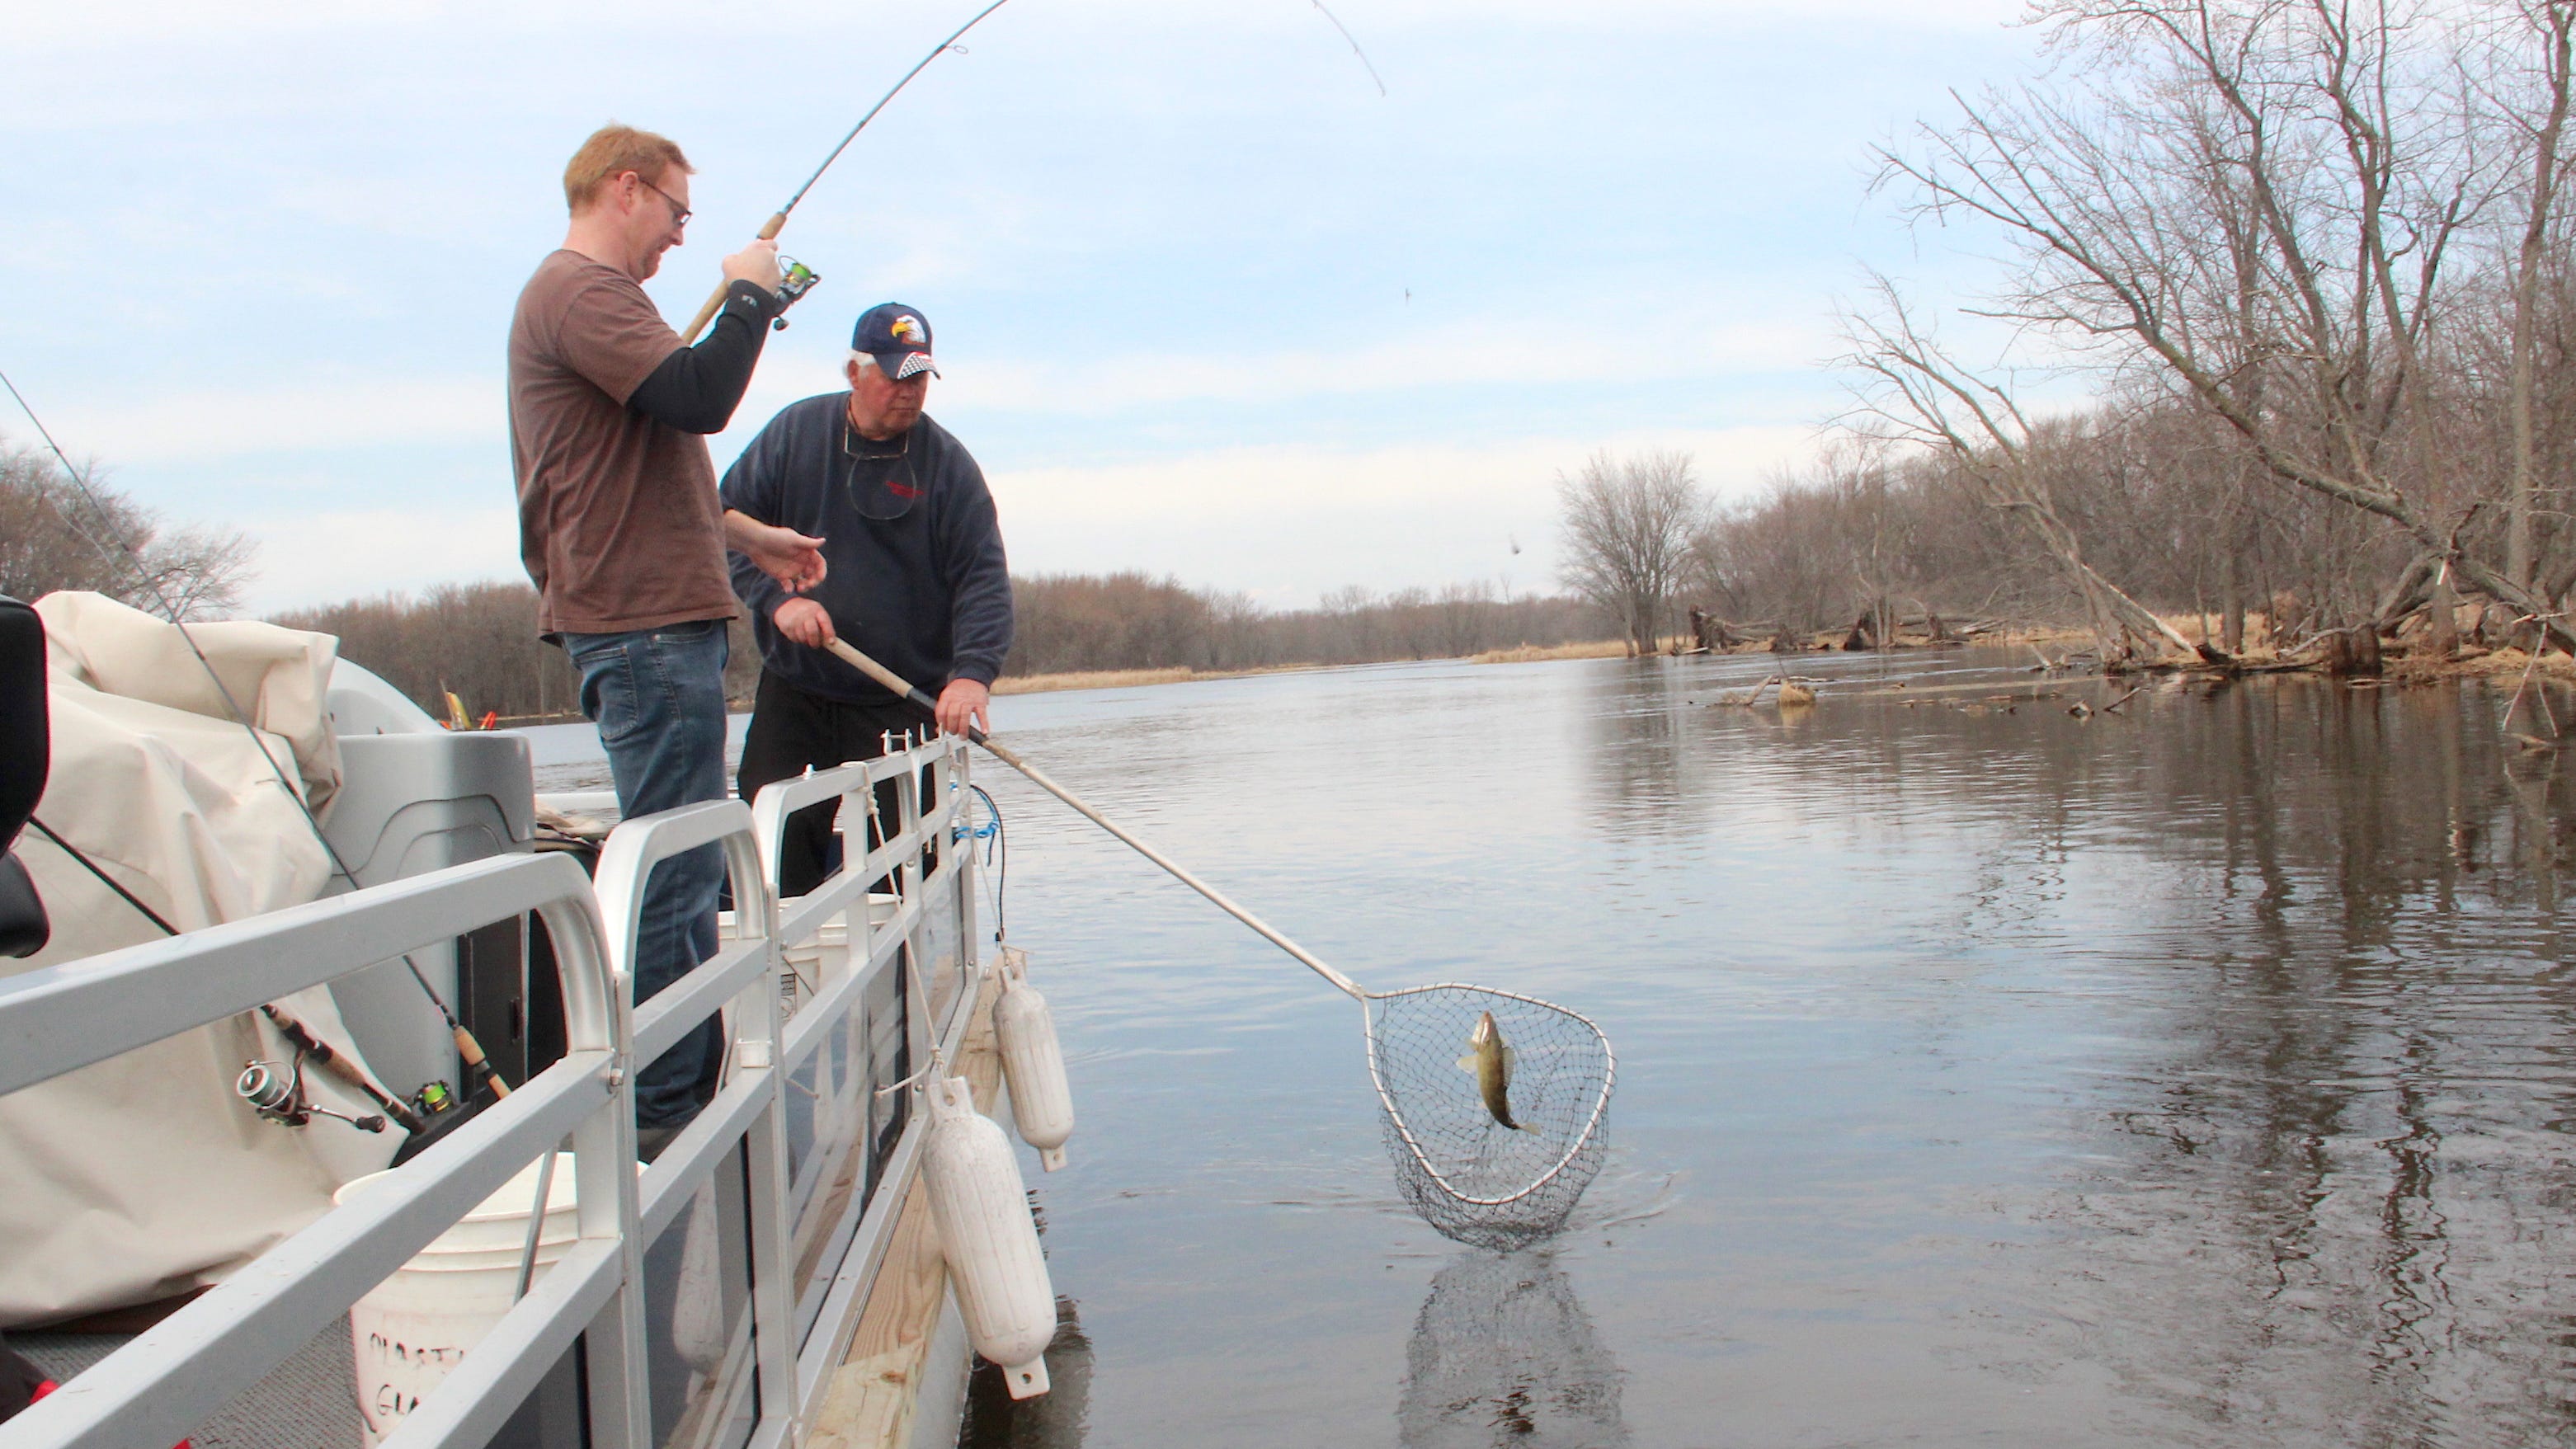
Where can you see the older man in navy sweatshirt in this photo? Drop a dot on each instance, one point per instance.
(917, 578)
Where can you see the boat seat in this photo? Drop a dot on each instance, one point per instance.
(26, 752)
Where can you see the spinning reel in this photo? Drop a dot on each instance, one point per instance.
(275, 1090)
(795, 279)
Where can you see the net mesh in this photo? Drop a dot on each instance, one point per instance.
(1468, 1175)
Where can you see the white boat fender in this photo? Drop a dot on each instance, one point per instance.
(1032, 1062)
(981, 1209)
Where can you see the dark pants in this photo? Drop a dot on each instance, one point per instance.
(792, 730)
(657, 696)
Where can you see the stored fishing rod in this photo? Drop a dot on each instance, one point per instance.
(476, 1064)
(294, 1031)
(778, 221)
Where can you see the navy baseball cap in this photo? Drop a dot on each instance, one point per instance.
(897, 337)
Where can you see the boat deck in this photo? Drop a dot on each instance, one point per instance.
(304, 1403)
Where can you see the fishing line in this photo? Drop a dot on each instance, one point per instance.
(467, 1047)
(297, 1036)
(111, 882)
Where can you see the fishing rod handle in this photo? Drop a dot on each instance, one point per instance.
(339, 1066)
(1008, 756)
(716, 299)
(476, 1065)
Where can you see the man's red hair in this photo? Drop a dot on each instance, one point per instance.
(611, 152)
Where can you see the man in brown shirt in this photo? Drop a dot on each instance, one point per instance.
(622, 531)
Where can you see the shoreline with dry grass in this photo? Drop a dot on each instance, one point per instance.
(1533, 653)
(2402, 667)
(1131, 678)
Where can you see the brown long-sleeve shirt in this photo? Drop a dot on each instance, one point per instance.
(619, 523)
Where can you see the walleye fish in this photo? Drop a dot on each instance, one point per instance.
(1491, 1062)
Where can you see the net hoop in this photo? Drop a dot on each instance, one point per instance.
(1422, 1156)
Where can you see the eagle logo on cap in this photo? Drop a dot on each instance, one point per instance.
(907, 330)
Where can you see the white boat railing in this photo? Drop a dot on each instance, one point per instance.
(158, 1388)
(810, 1253)
(849, 1229)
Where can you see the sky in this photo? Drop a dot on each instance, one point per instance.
(1207, 304)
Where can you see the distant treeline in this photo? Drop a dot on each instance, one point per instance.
(1070, 622)
(479, 640)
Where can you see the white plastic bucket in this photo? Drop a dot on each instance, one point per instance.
(414, 1327)
(810, 965)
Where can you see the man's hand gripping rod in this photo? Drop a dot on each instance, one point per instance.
(1010, 757)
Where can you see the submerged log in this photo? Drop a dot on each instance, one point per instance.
(1713, 632)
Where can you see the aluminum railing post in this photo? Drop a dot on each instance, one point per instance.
(765, 1162)
(606, 1204)
(756, 1049)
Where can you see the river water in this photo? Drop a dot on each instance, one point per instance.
(2198, 1074)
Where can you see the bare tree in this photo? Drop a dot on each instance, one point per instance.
(2552, 23)
(1627, 531)
(1928, 397)
(2259, 207)
(55, 535)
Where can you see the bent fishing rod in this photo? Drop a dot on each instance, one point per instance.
(467, 1048)
(777, 222)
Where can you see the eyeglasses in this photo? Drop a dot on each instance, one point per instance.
(679, 214)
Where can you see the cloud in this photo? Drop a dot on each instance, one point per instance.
(199, 424)
(1282, 524)
(1262, 327)
(1287, 524)
(326, 557)
(1474, 353)
(101, 22)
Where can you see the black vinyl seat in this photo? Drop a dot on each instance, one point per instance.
(26, 752)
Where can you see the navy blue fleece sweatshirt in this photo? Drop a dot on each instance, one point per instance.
(927, 594)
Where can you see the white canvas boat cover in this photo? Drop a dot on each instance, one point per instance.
(145, 1176)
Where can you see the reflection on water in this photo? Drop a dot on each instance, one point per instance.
(2201, 1074)
(2323, 1193)
(1053, 1420)
(1503, 1354)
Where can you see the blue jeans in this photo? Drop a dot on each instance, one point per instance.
(657, 696)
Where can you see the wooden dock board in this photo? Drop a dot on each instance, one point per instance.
(873, 1393)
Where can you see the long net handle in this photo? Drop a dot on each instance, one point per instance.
(716, 299)
(1010, 757)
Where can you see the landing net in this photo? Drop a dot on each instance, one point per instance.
(1468, 1175)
